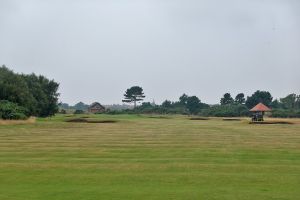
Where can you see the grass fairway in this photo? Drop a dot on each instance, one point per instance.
(149, 158)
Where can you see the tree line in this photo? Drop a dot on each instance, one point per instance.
(288, 106)
(23, 95)
(229, 106)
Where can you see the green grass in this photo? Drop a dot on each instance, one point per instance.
(149, 158)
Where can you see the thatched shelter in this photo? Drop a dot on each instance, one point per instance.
(258, 112)
(96, 108)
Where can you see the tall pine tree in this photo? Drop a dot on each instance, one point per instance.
(134, 94)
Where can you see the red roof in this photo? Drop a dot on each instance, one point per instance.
(260, 108)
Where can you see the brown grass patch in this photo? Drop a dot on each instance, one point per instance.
(31, 120)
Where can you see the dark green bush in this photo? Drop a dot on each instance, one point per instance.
(281, 113)
(63, 111)
(78, 112)
(37, 94)
(115, 112)
(9, 110)
(230, 110)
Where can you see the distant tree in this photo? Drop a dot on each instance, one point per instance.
(80, 106)
(275, 104)
(166, 104)
(63, 106)
(290, 101)
(240, 98)
(227, 99)
(183, 99)
(51, 88)
(134, 94)
(259, 97)
(146, 107)
(45, 94)
(193, 104)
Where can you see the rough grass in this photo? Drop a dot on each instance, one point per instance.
(31, 120)
(149, 158)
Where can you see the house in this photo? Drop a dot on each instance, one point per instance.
(96, 108)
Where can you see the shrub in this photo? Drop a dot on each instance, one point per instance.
(37, 94)
(63, 111)
(280, 113)
(78, 112)
(18, 116)
(115, 112)
(9, 110)
(230, 110)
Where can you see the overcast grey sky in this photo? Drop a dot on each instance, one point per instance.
(97, 49)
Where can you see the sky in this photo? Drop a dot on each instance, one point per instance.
(96, 49)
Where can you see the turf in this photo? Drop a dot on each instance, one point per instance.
(142, 157)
